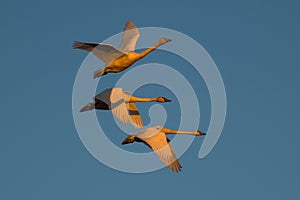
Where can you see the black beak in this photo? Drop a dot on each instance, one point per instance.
(167, 100)
(203, 133)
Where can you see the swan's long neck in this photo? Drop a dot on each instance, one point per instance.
(138, 99)
(150, 49)
(170, 131)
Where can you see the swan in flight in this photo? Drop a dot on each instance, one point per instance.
(121, 105)
(155, 137)
(118, 59)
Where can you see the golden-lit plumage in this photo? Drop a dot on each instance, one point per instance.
(155, 137)
(121, 105)
(118, 59)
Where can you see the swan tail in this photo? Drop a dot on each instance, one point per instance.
(89, 106)
(99, 73)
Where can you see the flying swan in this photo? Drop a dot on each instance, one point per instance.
(155, 138)
(118, 59)
(121, 105)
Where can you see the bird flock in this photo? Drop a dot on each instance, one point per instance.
(121, 103)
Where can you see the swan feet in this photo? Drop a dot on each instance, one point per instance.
(99, 73)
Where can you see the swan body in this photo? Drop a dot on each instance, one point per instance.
(118, 59)
(122, 63)
(155, 138)
(121, 105)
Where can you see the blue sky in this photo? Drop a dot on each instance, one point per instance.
(255, 44)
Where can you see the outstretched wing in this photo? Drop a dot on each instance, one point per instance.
(136, 118)
(167, 155)
(104, 96)
(163, 148)
(118, 106)
(105, 52)
(129, 37)
(133, 111)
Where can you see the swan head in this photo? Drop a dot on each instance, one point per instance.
(129, 139)
(199, 133)
(162, 99)
(162, 41)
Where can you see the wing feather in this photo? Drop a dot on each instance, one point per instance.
(135, 115)
(159, 144)
(130, 36)
(118, 106)
(167, 155)
(105, 52)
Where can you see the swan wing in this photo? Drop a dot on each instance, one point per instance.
(167, 155)
(118, 106)
(104, 96)
(133, 111)
(160, 144)
(175, 165)
(105, 52)
(129, 37)
(136, 118)
(103, 99)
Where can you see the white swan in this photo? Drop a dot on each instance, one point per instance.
(117, 60)
(155, 137)
(121, 105)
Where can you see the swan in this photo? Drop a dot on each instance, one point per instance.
(155, 138)
(121, 105)
(118, 59)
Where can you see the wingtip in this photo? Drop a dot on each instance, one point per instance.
(77, 44)
(129, 25)
(176, 168)
(138, 124)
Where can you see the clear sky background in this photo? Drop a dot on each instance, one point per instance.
(255, 44)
